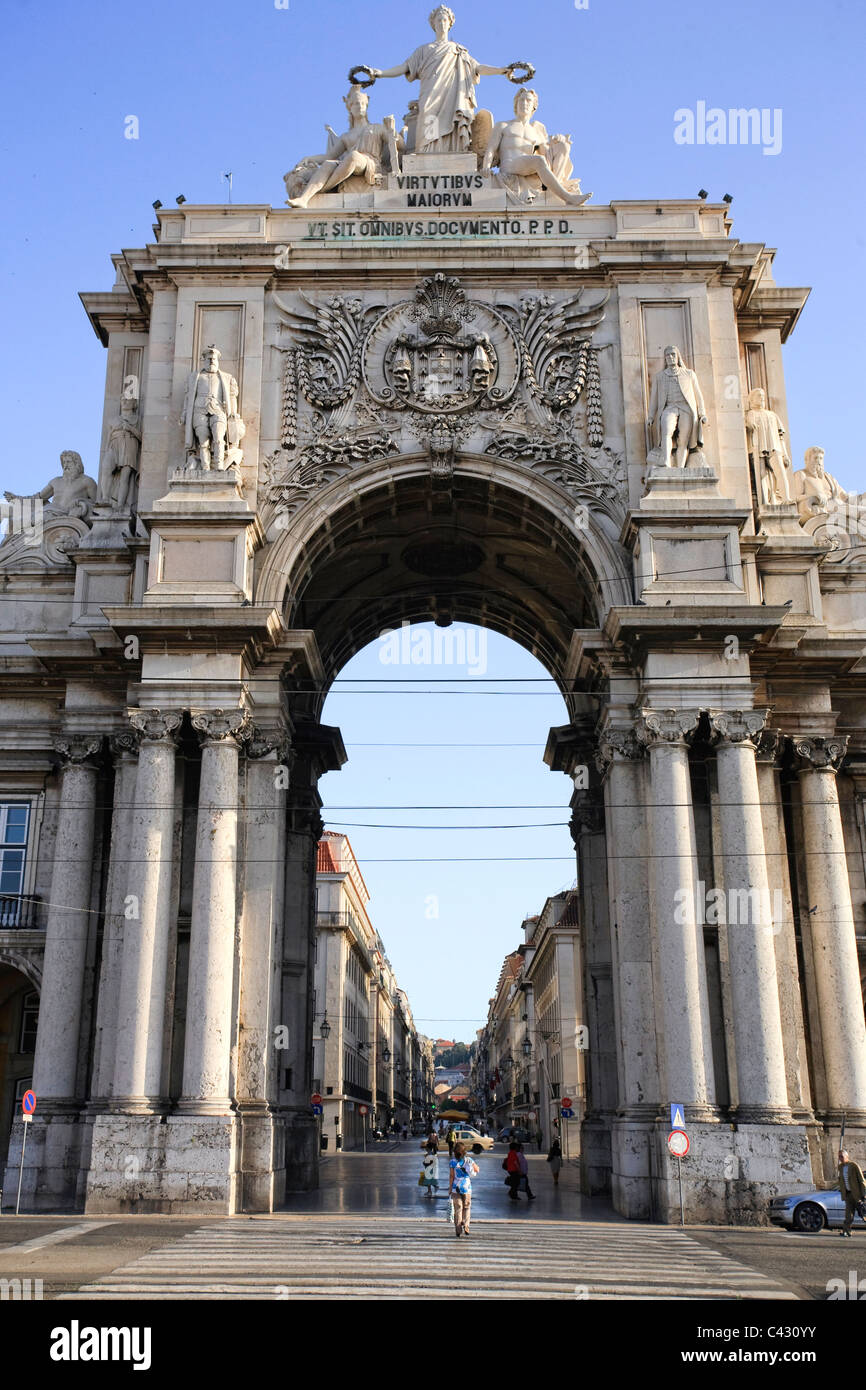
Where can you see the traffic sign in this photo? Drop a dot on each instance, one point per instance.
(28, 1119)
(678, 1143)
(678, 1116)
(318, 1109)
(362, 1110)
(315, 1098)
(566, 1102)
(28, 1102)
(567, 1114)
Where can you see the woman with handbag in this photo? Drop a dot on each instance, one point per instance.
(554, 1158)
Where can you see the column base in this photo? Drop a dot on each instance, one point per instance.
(263, 1159)
(762, 1115)
(730, 1174)
(52, 1161)
(595, 1153)
(175, 1164)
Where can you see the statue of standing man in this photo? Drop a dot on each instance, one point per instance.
(676, 412)
(210, 416)
(448, 75)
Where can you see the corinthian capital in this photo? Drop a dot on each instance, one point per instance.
(623, 743)
(821, 754)
(737, 725)
(77, 749)
(156, 725)
(222, 725)
(659, 726)
(262, 742)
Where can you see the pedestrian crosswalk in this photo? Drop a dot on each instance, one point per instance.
(295, 1257)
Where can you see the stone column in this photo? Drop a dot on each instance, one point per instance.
(676, 922)
(138, 1080)
(831, 918)
(761, 1089)
(124, 747)
(55, 1065)
(207, 1050)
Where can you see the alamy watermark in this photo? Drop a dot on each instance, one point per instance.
(450, 646)
(729, 907)
(735, 126)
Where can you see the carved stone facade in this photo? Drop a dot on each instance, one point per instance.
(450, 395)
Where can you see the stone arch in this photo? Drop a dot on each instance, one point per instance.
(23, 964)
(492, 542)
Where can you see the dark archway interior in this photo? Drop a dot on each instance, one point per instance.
(462, 550)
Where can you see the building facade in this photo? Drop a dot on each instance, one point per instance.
(435, 385)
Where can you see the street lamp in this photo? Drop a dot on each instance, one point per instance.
(325, 1029)
(526, 1047)
(386, 1055)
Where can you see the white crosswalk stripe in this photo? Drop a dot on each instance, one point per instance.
(407, 1258)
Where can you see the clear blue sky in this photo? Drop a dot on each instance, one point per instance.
(245, 86)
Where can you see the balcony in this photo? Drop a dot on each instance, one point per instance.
(20, 912)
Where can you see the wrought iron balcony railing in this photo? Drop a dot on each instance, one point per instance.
(25, 912)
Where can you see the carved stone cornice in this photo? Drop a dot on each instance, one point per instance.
(222, 725)
(657, 727)
(78, 750)
(737, 725)
(820, 754)
(156, 725)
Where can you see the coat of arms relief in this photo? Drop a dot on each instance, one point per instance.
(446, 373)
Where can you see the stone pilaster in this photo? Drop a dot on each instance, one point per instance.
(124, 749)
(761, 1088)
(831, 921)
(265, 1043)
(623, 764)
(687, 1053)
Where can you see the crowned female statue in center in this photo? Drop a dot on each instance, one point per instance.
(448, 75)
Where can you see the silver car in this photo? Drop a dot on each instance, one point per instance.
(811, 1211)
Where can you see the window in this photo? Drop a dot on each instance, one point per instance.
(29, 1020)
(14, 828)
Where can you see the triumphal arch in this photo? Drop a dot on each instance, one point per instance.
(438, 382)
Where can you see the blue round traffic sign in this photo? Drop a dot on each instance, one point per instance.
(28, 1102)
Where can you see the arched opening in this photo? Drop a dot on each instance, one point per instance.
(401, 559)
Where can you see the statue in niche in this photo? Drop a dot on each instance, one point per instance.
(448, 75)
(819, 495)
(360, 151)
(676, 412)
(766, 436)
(72, 494)
(523, 149)
(210, 418)
(120, 474)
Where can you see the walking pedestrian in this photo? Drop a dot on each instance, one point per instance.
(554, 1158)
(524, 1173)
(511, 1164)
(449, 1140)
(430, 1172)
(852, 1187)
(539, 1139)
(432, 1145)
(462, 1170)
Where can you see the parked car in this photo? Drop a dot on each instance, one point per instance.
(810, 1211)
(511, 1134)
(465, 1134)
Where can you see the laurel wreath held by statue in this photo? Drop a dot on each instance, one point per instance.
(517, 73)
(356, 81)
